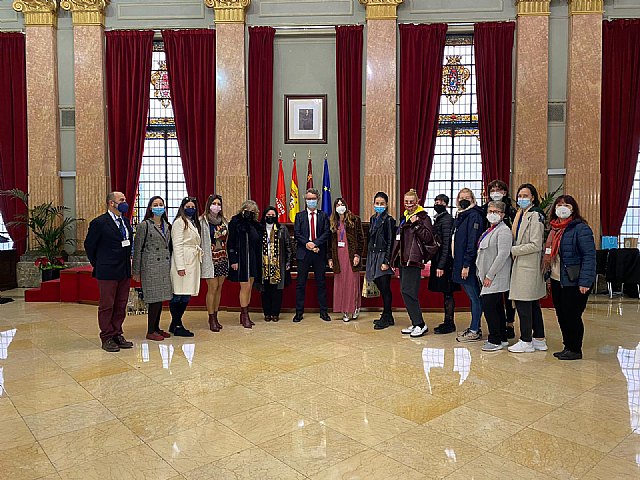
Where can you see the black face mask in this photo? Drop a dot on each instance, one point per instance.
(440, 208)
(247, 215)
(270, 220)
(464, 204)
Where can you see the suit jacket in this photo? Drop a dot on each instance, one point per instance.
(301, 233)
(109, 259)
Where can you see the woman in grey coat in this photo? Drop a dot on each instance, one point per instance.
(494, 272)
(152, 264)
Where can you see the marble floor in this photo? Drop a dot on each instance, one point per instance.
(313, 400)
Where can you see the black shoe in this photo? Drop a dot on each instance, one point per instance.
(445, 328)
(511, 333)
(325, 316)
(297, 318)
(122, 342)
(110, 345)
(180, 331)
(569, 355)
(559, 354)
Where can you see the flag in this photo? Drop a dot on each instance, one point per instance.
(281, 194)
(309, 173)
(326, 189)
(293, 198)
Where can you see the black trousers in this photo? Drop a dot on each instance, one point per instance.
(449, 308)
(509, 309)
(154, 310)
(316, 263)
(410, 288)
(570, 305)
(384, 285)
(271, 300)
(494, 313)
(530, 319)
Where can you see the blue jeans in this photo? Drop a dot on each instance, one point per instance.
(472, 289)
(180, 299)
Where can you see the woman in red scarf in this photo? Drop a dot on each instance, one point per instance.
(570, 262)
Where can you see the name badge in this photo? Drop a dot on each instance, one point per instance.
(398, 237)
(126, 243)
(547, 251)
(342, 244)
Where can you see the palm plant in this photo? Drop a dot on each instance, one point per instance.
(547, 199)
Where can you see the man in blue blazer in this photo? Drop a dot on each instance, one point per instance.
(108, 246)
(311, 229)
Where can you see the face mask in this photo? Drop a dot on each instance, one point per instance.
(157, 211)
(379, 208)
(563, 211)
(312, 204)
(524, 202)
(123, 207)
(440, 208)
(215, 209)
(493, 218)
(247, 215)
(341, 210)
(464, 204)
(189, 212)
(270, 220)
(496, 196)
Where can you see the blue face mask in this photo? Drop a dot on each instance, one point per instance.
(157, 211)
(189, 212)
(312, 204)
(379, 209)
(524, 202)
(123, 207)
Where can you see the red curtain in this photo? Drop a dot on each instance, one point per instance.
(494, 57)
(421, 54)
(13, 131)
(191, 64)
(128, 69)
(620, 134)
(260, 113)
(349, 89)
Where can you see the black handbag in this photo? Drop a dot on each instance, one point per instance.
(573, 272)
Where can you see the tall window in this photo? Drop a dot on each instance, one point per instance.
(457, 163)
(631, 222)
(5, 235)
(161, 172)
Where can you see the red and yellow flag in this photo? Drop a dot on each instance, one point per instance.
(294, 206)
(281, 194)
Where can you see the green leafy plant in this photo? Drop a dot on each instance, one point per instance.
(547, 199)
(49, 227)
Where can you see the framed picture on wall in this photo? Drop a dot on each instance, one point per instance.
(305, 119)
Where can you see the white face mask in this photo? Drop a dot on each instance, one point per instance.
(562, 211)
(341, 210)
(493, 218)
(496, 196)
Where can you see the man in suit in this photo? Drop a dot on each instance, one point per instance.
(108, 246)
(311, 230)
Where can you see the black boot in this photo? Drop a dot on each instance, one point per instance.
(385, 320)
(448, 326)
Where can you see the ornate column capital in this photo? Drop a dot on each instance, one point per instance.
(533, 7)
(38, 12)
(86, 12)
(228, 11)
(381, 9)
(586, 7)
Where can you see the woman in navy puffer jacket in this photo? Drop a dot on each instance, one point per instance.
(570, 261)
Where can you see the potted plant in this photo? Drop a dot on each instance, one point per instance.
(48, 225)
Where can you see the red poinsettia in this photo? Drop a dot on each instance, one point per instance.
(44, 263)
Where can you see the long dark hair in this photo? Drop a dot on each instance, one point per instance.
(349, 218)
(183, 215)
(263, 220)
(569, 200)
(148, 214)
(534, 192)
(212, 197)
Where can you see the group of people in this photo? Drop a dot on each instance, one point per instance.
(496, 253)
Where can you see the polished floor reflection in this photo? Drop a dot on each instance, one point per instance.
(313, 400)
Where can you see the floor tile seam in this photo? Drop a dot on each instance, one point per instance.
(527, 398)
(266, 453)
(47, 455)
(538, 429)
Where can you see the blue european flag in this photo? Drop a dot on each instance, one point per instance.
(326, 190)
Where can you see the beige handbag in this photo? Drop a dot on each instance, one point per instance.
(369, 289)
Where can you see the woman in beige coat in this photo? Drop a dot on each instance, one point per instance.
(185, 262)
(527, 283)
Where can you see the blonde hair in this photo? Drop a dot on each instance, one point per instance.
(251, 206)
(412, 193)
(470, 192)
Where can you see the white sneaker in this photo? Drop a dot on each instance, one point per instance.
(356, 314)
(491, 347)
(419, 331)
(505, 344)
(345, 317)
(522, 347)
(407, 331)
(540, 345)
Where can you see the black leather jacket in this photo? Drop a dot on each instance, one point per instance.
(381, 231)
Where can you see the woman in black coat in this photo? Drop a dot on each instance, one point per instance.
(442, 264)
(244, 248)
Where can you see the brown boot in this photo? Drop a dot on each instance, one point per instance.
(214, 326)
(244, 317)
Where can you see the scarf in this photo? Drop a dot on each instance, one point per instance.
(408, 215)
(515, 227)
(552, 246)
(487, 232)
(271, 256)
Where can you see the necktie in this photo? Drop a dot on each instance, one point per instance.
(121, 227)
(313, 226)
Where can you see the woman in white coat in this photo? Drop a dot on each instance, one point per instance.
(527, 281)
(185, 263)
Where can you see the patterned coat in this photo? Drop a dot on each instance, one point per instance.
(152, 261)
(207, 260)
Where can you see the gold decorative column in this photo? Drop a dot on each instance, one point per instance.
(91, 139)
(532, 94)
(40, 22)
(380, 98)
(584, 88)
(232, 180)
